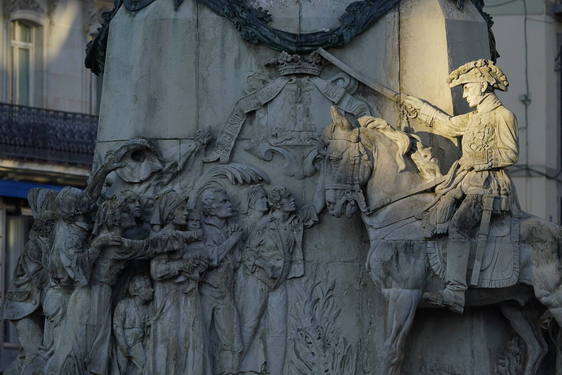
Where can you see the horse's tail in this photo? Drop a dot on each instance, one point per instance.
(547, 272)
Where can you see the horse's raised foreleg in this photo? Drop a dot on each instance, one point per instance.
(530, 333)
(402, 305)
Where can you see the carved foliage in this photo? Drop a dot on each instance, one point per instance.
(512, 360)
(252, 23)
(319, 346)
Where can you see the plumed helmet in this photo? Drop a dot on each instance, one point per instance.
(482, 70)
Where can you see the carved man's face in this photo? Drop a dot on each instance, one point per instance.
(127, 218)
(222, 207)
(181, 214)
(260, 202)
(473, 92)
(144, 290)
(287, 204)
(135, 206)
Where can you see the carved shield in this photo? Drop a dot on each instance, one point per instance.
(135, 5)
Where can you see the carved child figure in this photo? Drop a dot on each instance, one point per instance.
(130, 320)
(477, 184)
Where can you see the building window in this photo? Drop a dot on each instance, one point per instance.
(22, 51)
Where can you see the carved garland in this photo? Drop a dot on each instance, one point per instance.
(253, 26)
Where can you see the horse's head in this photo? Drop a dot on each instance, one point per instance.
(347, 166)
(367, 162)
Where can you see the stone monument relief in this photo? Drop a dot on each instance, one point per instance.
(292, 188)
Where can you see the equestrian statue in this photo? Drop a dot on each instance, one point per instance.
(446, 241)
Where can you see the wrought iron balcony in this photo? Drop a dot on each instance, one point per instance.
(45, 135)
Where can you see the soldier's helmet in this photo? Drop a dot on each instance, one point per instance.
(482, 70)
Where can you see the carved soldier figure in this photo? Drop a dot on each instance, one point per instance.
(130, 320)
(221, 239)
(477, 184)
(24, 296)
(273, 255)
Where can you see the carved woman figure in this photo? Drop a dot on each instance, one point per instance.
(87, 327)
(69, 256)
(24, 296)
(177, 344)
(64, 262)
(272, 256)
(130, 321)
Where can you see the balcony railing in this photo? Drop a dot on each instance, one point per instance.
(45, 135)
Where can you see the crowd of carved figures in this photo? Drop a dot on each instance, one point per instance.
(173, 283)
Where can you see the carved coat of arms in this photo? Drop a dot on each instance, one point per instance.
(288, 113)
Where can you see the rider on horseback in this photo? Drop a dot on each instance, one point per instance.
(477, 184)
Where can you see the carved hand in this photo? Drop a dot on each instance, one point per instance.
(106, 240)
(195, 266)
(482, 167)
(309, 216)
(412, 103)
(112, 162)
(237, 233)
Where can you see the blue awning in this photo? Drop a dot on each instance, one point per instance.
(19, 189)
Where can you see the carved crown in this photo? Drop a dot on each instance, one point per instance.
(288, 64)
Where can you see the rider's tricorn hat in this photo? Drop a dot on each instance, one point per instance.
(482, 70)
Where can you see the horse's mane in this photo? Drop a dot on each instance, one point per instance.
(407, 145)
(401, 139)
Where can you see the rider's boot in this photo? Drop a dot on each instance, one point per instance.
(458, 252)
(453, 296)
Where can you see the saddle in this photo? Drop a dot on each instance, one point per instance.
(499, 262)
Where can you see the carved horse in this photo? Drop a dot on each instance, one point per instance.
(387, 175)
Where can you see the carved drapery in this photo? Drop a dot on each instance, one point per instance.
(253, 25)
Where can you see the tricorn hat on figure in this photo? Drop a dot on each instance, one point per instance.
(482, 70)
